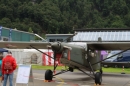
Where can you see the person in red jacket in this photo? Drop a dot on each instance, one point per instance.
(8, 67)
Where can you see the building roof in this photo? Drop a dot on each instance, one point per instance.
(17, 30)
(59, 34)
(102, 29)
(105, 34)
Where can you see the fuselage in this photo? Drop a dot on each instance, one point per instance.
(76, 55)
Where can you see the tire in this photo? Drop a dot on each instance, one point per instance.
(98, 78)
(48, 75)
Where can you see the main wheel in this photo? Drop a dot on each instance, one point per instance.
(48, 75)
(98, 78)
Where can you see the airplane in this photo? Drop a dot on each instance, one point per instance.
(75, 55)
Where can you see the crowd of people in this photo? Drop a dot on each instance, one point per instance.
(7, 67)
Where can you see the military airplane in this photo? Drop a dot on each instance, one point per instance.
(81, 56)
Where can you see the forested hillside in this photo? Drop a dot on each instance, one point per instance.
(62, 16)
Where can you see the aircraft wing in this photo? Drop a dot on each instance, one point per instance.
(109, 45)
(43, 45)
(23, 45)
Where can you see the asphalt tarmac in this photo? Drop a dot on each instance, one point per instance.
(75, 79)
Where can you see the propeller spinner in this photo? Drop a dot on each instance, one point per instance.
(57, 47)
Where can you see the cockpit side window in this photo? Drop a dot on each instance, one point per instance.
(119, 56)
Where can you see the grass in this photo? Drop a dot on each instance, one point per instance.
(116, 70)
(107, 70)
(40, 67)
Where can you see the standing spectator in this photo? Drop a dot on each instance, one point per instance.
(8, 66)
(1, 57)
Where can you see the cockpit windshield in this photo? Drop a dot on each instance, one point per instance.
(113, 53)
(114, 57)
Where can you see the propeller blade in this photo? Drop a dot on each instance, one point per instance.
(68, 47)
(68, 54)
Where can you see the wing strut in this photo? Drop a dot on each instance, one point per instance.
(111, 56)
(86, 73)
(41, 51)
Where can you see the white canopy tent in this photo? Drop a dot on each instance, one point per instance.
(28, 56)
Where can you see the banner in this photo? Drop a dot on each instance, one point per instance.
(24, 74)
(0, 32)
(10, 33)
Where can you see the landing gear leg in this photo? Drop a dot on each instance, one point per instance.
(49, 73)
(97, 75)
(101, 71)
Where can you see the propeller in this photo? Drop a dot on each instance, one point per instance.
(70, 36)
(57, 46)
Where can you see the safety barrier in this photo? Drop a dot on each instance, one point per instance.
(49, 61)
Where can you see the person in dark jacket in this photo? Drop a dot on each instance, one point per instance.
(10, 61)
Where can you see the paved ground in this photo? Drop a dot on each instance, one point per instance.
(76, 79)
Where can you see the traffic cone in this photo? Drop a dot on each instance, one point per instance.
(123, 70)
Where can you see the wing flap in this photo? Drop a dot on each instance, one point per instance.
(109, 45)
(23, 45)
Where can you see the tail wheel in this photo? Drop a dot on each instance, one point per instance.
(98, 78)
(48, 75)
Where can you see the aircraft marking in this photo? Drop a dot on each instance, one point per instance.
(72, 84)
(62, 81)
(39, 78)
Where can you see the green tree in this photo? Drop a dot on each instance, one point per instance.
(30, 30)
(63, 16)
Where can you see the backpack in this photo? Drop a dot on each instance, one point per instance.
(8, 65)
